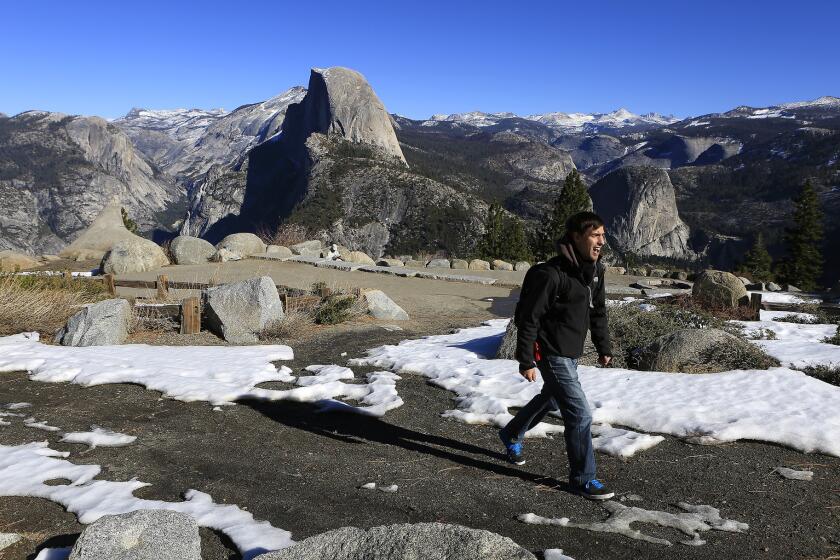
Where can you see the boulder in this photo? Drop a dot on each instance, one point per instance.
(616, 270)
(639, 208)
(439, 263)
(415, 264)
(507, 348)
(501, 265)
(679, 275)
(522, 266)
(278, 251)
(460, 264)
(134, 255)
(478, 264)
(745, 281)
(658, 273)
(389, 262)
(106, 230)
(687, 350)
(638, 272)
(426, 541)
(383, 307)
(773, 287)
(716, 288)
(310, 248)
(225, 255)
(791, 288)
(140, 535)
(360, 258)
(98, 324)
(191, 250)
(243, 244)
(239, 311)
(11, 261)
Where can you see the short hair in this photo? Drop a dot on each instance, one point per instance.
(582, 222)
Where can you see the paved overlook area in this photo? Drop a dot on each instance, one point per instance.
(303, 470)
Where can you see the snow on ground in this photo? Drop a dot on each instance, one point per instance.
(217, 374)
(764, 405)
(695, 519)
(54, 553)
(98, 437)
(781, 297)
(24, 469)
(796, 345)
(548, 554)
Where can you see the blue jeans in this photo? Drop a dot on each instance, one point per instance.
(561, 389)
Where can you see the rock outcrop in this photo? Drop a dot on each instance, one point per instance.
(239, 311)
(102, 323)
(415, 541)
(140, 535)
(639, 208)
(97, 239)
(383, 307)
(715, 288)
(191, 250)
(134, 255)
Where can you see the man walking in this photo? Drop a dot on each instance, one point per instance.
(560, 299)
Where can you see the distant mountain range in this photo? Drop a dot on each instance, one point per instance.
(330, 156)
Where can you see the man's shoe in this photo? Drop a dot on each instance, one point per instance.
(594, 490)
(513, 450)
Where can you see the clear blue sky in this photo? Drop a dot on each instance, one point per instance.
(686, 58)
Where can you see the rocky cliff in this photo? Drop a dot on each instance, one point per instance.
(57, 172)
(639, 208)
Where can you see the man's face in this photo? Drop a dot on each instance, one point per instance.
(589, 244)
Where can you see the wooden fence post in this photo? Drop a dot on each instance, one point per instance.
(755, 305)
(190, 315)
(162, 287)
(109, 284)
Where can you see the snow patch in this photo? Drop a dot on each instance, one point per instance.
(792, 474)
(98, 437)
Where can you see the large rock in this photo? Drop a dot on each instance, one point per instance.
(499, 264)
(11, 261)
(639, 208)
(507, 348)
(478, 264)
(278, 251)
(140, 535)
(307, 248)
(224, 255)
(439, 263)
(191, 250)
(616, 270)
(460, 264)
(244, 244)
(360, 258)
(239, 311)
(522, 266)
(687, 350)
(421, 541)
(415, 264)
(383, 307)
(134, 255)
(390, 262)
(107, 230)
(773, 287)
(98, 324)
(715, 288)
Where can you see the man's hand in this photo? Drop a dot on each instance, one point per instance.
(529, 374)
(604, 360)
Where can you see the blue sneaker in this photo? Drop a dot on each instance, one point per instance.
(513, 450)
(594, 490)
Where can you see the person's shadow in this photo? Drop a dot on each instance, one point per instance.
(357, 429)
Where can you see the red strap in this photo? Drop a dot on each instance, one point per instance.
(537, 355)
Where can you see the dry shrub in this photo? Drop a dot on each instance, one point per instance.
(834, 339)
(293, 325)
(338, 308)
(43, 303)
(829, 374)
(150, 319)
(285, 235)
(689, 304)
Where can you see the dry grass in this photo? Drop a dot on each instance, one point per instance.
(295, 325)
(285, 235)
(43, 303)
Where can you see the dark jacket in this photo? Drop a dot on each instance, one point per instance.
(559, 299)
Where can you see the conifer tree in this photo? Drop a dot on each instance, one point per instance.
(129, 224)
(757, 263)
(504, 236)
(803, 265)
(573, 198)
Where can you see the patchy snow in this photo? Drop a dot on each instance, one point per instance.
(98, 437)
(555, 554)
(796, 345)
(24, 469)
(217, 374)
(763, 405)
(40, 425)
(782, 297)
(793, 474)
(54, 553)
(694, 520)
(17, 405)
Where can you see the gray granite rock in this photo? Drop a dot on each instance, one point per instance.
(360, 257)
(773, 287)
(522, 266)
(278, 251)
(507, 348)
(658, 273)
(420, 541)
(460, 264)
(140, 535)
(716, 288)
(191, 250)
(310, 248)
(244, 244)
(390, 262)
(239, 311)
(415, 264)
(439, 263)
(499, 264)
(383, 307)
(102, 323)
(478, 264)
(225, 255)
(134, 255)
(687, 350)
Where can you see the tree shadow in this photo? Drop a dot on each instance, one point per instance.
(58, 541)
(358, 429)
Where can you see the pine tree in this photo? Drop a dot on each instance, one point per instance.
(129, 224)
(504, 236)
(804, 239)
(516, 244)
(757, 262)
(573, 198)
